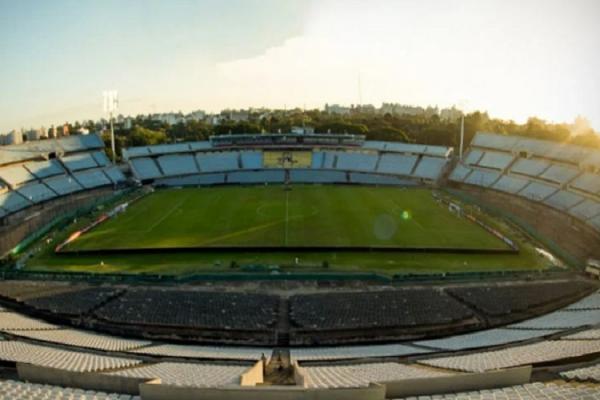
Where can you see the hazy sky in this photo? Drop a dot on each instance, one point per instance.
(512, 58)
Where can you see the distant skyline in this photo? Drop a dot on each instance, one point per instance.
(514, 59)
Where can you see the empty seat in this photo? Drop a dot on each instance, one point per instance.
(115, 174)
(312, 176)
(563, 200)
(101, 158)
(482, 178)
(586, 209)
(266, 176)
(13, 201)
(459, 173)
(473, 157)
(496, 160)
(317, 160)
(373, 179)
(494, 141)
(529, 167)
(44, 169)
(92, 178)
(36, 192)
(356, 161)
(217, 162)
(169, 148)
(193, 180)
(587, 182)
(537, 191)
(16, 175)
(77, 162)
(63, 184)
(430, 168)
(145, 168)
(177, 164)
(399, 164)
(510, 184)
(559, 173)
(251, 159)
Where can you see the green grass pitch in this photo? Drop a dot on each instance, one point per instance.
(302, 216)
(306, 215)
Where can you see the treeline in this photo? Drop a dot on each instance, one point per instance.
(423, 129)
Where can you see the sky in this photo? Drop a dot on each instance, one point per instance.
(511, 58)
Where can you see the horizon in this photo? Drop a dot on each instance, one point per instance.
(513, 60)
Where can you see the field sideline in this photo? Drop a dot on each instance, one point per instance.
(304, 216)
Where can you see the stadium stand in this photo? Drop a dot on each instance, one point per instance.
(84, 339)
(91, 178)
(567, 319)
(529, 391)
(537, 191)
(399, 164)
(204, 352)
(495, 160)
(15, 390)
(355, 352)
(559, 174)
(63, 184)
(374, 179)
(352, 161)
(218, 162)
(12, 202)
(264, 176)
(193, 309)
(482, 178)
(563, 200)
(591, 373)
(45, 169)
(510, 184)
(193, 180)
(36, 192)
(101, 158)
(145, 168)
(498, 300)
(169, 148)
(16, 175)
(177, 164)
(251, 159)
(312, 176)
(75, 302)
(587, 182)
(10, 321)
(68, 360)
(375, 309)
(187, 374)
(530, 167)
(536, 353)
(487, 338)
(77, 162)
(115, 175)
(361, 375)
(430, 168)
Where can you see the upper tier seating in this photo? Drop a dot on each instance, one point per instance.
(400, 164)
(92, 178)
(12, 202)
(115, 174)
(16, 175)
(430, 168)
(63, 184)
(36, 192)
(566, 187)
(217, 162)
(177, 164)
(251, 159)
(44, 169)
(43, 148)
(530, 167)
(356, 161)
(495, 160)
(145, 168)
(79, 161)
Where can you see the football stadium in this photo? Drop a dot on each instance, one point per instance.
(300, 266)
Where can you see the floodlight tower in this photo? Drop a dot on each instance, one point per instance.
(111, 104)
